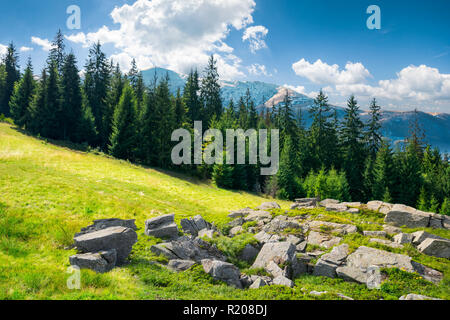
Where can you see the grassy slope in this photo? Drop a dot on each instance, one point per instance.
(47, 193)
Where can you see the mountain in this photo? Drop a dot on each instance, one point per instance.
(395, 125)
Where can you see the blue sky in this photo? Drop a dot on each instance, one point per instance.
(306, 45)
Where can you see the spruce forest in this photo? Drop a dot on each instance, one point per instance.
(106, 111)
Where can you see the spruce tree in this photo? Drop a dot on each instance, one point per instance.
(124, 135)
(52, 116)
(57, 53)
(210, 92)
(180, 110)
(286, 176)
(191, 98)
(22, 97)
(410, 175)
(384, 175)
(38, 105)
(373, 134)
(11, 76)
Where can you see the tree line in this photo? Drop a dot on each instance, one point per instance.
(120, 115)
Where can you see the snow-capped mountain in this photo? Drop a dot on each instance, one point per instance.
(395, 124)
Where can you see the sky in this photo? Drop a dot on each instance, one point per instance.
(306, 45)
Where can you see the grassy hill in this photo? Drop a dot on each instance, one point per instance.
(48, 193)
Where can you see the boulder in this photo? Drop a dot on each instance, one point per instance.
(281, 223)
(352, 204)
(326, 266)
(325, 269)
(283, 281)
(379, 206)
(301, 247)
(323, 240)
(162, 227)
(108, 223)
(236, 230)
(275, 270)
(435, 247)
(186, 248)
(305, 203)
(121, 239)
(240, 213)
(353, 210)
(249, 253)
(413, 296)
(263, 237)
(403, 238)
(258, 216)
(391, 230)
(205, 233)
(268, 206)
(342, 229)
(194, 225)
(294, 240)
(223, 271)
(401, 215)
(428, 273)
(318, 293)
(236, 222)
(180, 265)
(336, 207)
(421, 236)
(374, 233)
(386, 243)
(258, 283)
(99, 262)
(326, 202)
(279, 252)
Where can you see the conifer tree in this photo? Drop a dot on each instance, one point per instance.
(57, 53)
(180, 110)
(286, 175)
(191, 98)
(22, 97)
(384, 175)
(210, 92)
(11, 75)
(38, 105)
(373, 134)
(52, 115)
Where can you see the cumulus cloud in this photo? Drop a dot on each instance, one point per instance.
(25, 49)
(45, 44)
(3, 49)
(258, 70)
(322, 73)
(176, 34)
(255, 36)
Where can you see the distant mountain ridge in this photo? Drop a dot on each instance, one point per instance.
(395, 125)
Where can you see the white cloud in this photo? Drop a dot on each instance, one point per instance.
(258, 70)
(26, 49)
(3, 49)
(255, 36)
(322, 73)
(176, 34)
(45, 44)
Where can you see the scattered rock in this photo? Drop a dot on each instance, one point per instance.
(305, 203)
(108, 223)
(379, 206)
(258, 215)
(206, 233)
(402, 215)
(283, 281)
(353, 210)
(195, 225)
(281, 223)
(435, 247)
(323, 240)
(121, 239)
(236, 230)
(326, 266)
(352, 204)
(386, 243)
(237, 222)
(294, 240)
(180, 265)
(326, 202)
(413, 296)
(263, 237)
(240, 213)
(273, 269)
(223, 271)
(344, 296)
(403, 238)
(301, 247)
(318, 293)
(162, 227)
(336, 207)
(374, 233)
(391, 230)
(99, 262)
(342, 229)
(249, 253)
(428, 273)
(421, 236)
(268, 206)
(279, 252)
(258, 283)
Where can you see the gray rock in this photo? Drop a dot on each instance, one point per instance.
(403, 238)
(325, 269)
(305, 203)
(301, 247)
(336, 207)
(435, 247)
(246, 280)
(323, 240)
(386, 243)
(206, 233)
(236, 230)
(402, 215)
(279, 224)
(340, 295)
(240, 213)
(283, 281)
(379, 206)
(108, 223)
(326, 202)
(337, 255)
(326, 266)
(293, 239)
(421, 236)
(237, 222)
(180, 265)
(391, 230)
(273, 269)
(428, 273)
(413, 296)
(162, 227)
(318, 293)
(258, 215)
(188, 249)
(279, 252)
(374, 233)
(194, 225)
(223, 271)
(342, 229)
(263, 237)
(436, 221)
(119, 238)
(352, 204)
(258, 283)
(99, 262)
(249, 253)
(353, 210)
(268, 206)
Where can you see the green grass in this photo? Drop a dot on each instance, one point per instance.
(49, 192)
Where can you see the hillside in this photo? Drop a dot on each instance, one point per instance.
(49, 192)
(395, 125)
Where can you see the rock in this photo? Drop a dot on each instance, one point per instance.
(246, 280)
(281, 223)
(379, 206)
(326, 202)
(352, 204)
(446, 222)
(403, 238)
(436, 221)
(337, 255)
(162, 227)
(236, 230)
(258, 215)
(374, 233)
(108, 223)
(336, 207)
(206, 233)
(279, 252)
(301, 247)
(99, 262)
(428, 273)
(318, 293)
(413, 296)
(240, 213)
(342, 229)
(273, 269)
(188, 249)
(340, 295)
(223, 271)
(263, 237)
(326, 266)
(358, 263)
(353, 210)
(180, 265)
(386, 243)
(390, 230)
(121, 239)
(402, 215)
(258, 283)
(293, 239)
(308, 201)
(305, 203)
(421, 236)
(268, 206)
(325, 269)
(322, 240)
(283, 281)
(237, 222)
(435, 247)
(195, 225)
(249, 253)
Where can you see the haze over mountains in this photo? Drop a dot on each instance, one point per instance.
(395, 124)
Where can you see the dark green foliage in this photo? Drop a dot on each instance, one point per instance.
(373, 133)
(210, 92)
(22, 97)
(287, 181)
(11, 74)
